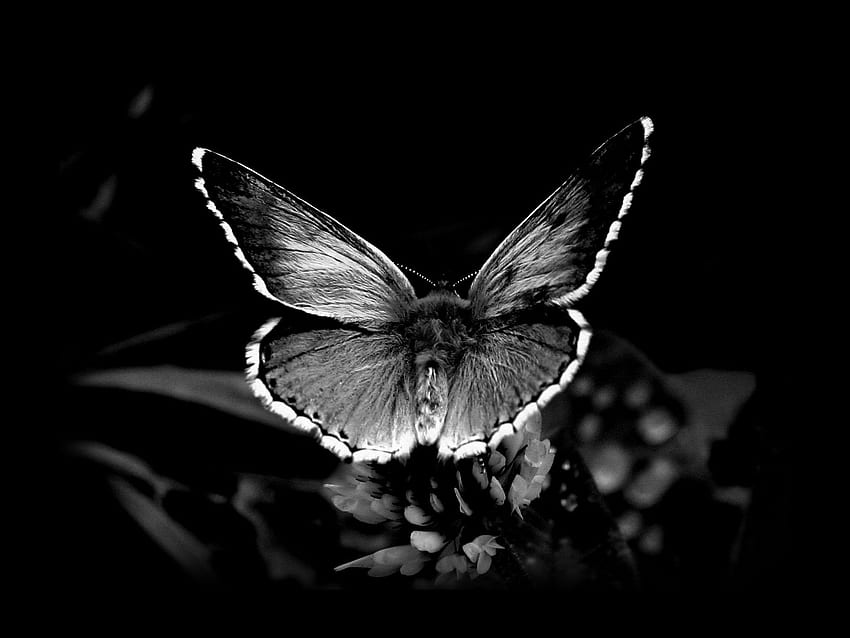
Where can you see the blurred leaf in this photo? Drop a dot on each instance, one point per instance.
(141, 102)
(619, 397)
(250, 499)
(102, 200)
(123, 463)
(712, 399)
(650, 440)
(161, 333)
(192, 555)
(222, 390)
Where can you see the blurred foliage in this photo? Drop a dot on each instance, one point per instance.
(232, 504)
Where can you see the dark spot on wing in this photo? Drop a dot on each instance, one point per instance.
(559, 217)
(535, 296)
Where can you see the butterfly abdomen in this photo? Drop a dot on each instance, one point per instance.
(438, 333)
(432, 391)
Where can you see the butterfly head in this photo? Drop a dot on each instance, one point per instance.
(445, 285)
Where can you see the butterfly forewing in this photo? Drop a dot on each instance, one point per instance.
(299, 255)
(558, 251)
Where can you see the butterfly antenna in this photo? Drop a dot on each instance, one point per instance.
(462, 279)
(418, 274)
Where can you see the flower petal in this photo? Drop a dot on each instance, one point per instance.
(395, 555)
(546, 465)
(488, 544)
(391, 502)
(511, 445)
(363, 512)
(365, 561)
(484, 562)
(416, 515)
(483, 539)
(533, 491)
(379, 571)
(446, 564)
(535, 451)
(533, 425)
(344, 503)
(497, 492)
(496, 462)
(516, 494)
(379, 508)
(472, 551)
(464, 508)
(436, 503)
(412, 567)
(431, 542)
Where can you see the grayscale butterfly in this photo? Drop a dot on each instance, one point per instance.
(378, 370)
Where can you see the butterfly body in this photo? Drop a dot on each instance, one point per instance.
(374, 370)
(439, 331)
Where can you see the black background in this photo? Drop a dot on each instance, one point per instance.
(433, 162)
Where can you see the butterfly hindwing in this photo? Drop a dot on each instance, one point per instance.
(508, 369)
(353, 384)
(299, 255)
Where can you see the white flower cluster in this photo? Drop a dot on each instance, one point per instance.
(497, 486)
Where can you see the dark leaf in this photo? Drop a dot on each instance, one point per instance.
(192, 555)
(222, 390)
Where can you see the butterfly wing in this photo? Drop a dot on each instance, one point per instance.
(300, 256)
(349, 388)
(557, 253)
(507, 376)
(340, 373)
(530, 337)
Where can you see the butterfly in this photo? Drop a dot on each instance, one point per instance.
(377, 370)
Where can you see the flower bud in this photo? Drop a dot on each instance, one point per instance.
(430, 542)
(497, 493)
(416, 515)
